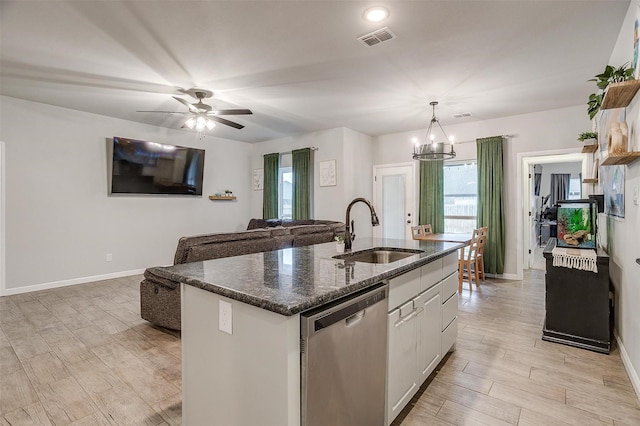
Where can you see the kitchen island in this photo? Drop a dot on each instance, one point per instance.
(252, 376)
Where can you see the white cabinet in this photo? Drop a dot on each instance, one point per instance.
(429, 330)
(402, 359)
(422, 327)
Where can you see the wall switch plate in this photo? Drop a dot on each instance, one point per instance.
(225, 317)
(109, 257)
(635, 195)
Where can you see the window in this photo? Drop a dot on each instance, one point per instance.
(575, 189)
(285, 187)
(285, 192)
(460, 197)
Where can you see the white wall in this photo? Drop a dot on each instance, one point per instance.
(60, 222)
(528, 133)
(353, 154)
(622, 234)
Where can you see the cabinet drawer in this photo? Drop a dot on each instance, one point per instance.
(431, 273)
(449, 286)
(449, 264)
(403, 288)
(449, 310)
(449, 336)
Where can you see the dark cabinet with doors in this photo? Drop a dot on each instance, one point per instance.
(578, 303)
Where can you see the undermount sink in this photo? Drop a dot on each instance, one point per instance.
(378, 255)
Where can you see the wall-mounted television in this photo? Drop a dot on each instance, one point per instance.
(140, 167)
(577, 221)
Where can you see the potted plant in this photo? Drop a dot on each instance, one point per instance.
(610, 75)
(588, 138)
(339, 243)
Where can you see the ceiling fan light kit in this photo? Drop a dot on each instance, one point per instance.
(201, 116)
(433, 149)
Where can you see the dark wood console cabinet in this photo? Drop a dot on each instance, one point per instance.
(578, 306)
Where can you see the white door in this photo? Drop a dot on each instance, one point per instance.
(393, 200)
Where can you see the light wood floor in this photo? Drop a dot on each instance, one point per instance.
(81, 355)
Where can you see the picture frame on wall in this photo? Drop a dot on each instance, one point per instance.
(258, 179)
(328, 173)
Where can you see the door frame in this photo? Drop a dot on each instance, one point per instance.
(377, 230)
(526, 159)
(2, 221)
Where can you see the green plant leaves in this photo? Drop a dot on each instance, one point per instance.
(610, 75)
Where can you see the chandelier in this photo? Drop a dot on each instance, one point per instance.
(433, 149)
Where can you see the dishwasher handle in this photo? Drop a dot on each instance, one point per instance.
(351, 311)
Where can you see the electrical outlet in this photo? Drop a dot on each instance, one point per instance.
(225, 317)
(109, 257)
(635, 195)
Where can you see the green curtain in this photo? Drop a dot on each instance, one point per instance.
(270, 186)
(491, 201)
(432, 194)
(301, 168)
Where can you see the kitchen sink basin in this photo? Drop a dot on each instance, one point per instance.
(378, 255)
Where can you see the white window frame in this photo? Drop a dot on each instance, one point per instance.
(475, 218)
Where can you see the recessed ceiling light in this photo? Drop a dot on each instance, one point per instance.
(376, 14)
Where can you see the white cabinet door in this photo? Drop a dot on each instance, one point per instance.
(402, 358)
(429, 329)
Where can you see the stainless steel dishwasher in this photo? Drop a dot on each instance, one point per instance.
(343, 361)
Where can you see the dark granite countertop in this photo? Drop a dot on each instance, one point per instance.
(290, 281)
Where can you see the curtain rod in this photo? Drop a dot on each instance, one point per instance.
(473, 141)
(313, 148)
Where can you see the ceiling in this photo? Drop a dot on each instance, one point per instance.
(297, 64)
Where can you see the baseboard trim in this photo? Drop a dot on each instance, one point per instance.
(626, 361)
(74, 281)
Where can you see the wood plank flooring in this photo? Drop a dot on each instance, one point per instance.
(81, 355)
(503, 373)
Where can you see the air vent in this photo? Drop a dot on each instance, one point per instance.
(377, 37)
(462, 115)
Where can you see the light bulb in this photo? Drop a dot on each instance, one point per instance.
(190, 123)
(200, 123)
(451, 139)
(210, 124)
(376, 14)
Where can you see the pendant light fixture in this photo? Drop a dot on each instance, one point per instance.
(434, 148)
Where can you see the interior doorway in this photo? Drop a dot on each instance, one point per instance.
(393, 199)
(538, 224)
(2, 218)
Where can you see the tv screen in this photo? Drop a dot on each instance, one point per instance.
(140, 167)
(577, 223)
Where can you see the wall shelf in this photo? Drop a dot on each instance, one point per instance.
(619, 95)
(590, 180)
(589, 149)
(621, 158)
(221, 198)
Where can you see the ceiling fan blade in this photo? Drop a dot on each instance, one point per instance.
(230, 112)
(168, 112)
(187, 104)
(225, 121)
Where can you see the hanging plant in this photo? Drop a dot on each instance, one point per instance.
(610, 75)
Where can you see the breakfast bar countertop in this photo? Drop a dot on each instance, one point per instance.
(293, 280)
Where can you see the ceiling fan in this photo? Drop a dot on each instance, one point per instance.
(202, 115)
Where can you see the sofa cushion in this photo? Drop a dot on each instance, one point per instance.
(218, 250)
(263, 223)
(297, 222)
(186, 243)
(308, 229)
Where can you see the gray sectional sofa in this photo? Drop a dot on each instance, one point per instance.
(160, 298)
